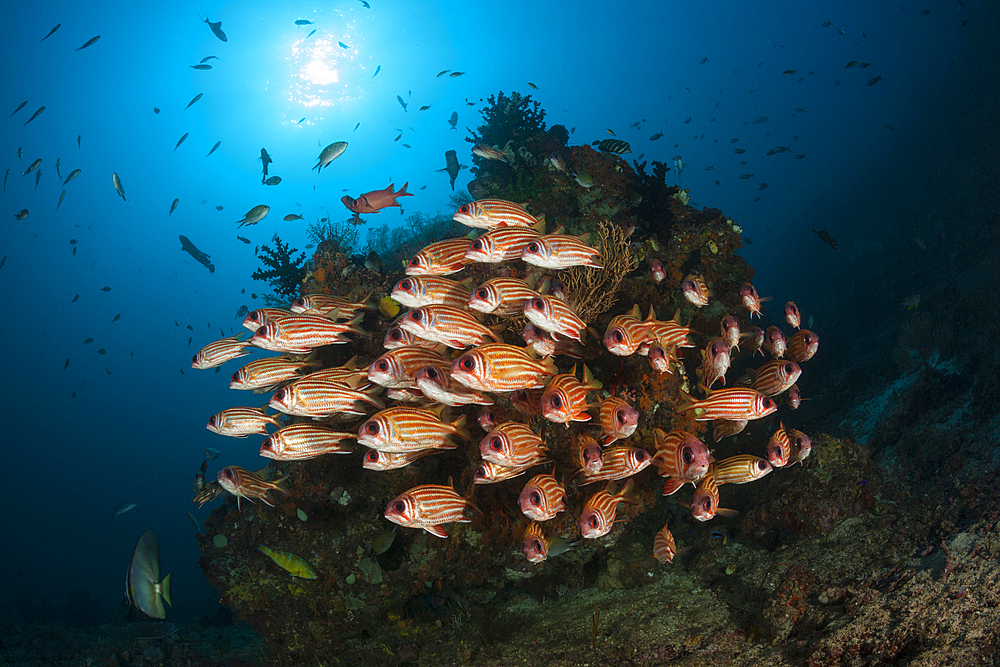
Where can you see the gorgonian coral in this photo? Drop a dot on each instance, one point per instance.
(285, 274)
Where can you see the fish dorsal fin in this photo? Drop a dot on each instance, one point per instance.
(468, 283)
(585, 237)
(636, 312)
(558, 230)
(539, 225)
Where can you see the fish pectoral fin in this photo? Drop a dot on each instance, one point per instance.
(436, 530)
(672, 486)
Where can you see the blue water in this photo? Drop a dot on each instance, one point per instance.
(136, 427)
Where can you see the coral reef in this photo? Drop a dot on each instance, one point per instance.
(285, 273)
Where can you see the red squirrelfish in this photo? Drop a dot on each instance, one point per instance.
(792, 314)
(731, 332)
(396, 337)
(498, 367)
(657, 271)
(436, 384)
(802, 346)
(705, 502)
(504, 297)
(325, 304)
(266, 373)
(537, 547)
(302, 333)
(625, 333)
(695, 290)
(779, 448)
(735, 403)
(299, 442)
(542, 498)
(599, 512)
(589, 455)
(454, 327)
(494, 213)
(243, 483)
(527, 401)
(240, 422)
(715, 363)
(545, 345)
(381, 461)
(664, 547)
(756, 337)
(775, 376)
(219, 352)
(397, 369)
(404, 429)
(565, 398)
(750, 299)
(618, 419)
(741, 469)
(376, 200)
(420, 291)
(490, 473)
(618, 463)
(561, 251)
(774, 341)
(488, 152)
(428, 506)
(440, 259)
(487, 419)
(255, 319)
(680, 456)
(660, 358)
(553, 315)
(501, 245)
(511, 444)
(794, 397)
(801, 446)
(723, 428)
(319, 398)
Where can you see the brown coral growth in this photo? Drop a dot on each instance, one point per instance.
(596, 290)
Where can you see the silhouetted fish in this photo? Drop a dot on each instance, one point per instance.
(217, 29)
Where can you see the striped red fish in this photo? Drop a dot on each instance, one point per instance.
(302, 333)
(750, 299)
(705, 501)
(428, 506)
(723, 428)
(487, 419)
(537, 547)
(542, 498)
(255, 319)
(240, 422)
(348, 374)
(794, 397)
(661, 359)
(741, 469)
(219, 352)
(801, 446)
(555, 316)
(267, 373)
(436, 384)
(756, 337)
(403, 429)
(208, 493)
(735, 403)
(545, 345)
(299, 442)
(398, 368)
(440, 259)
(454, 327)
(504, 297)
(618, 419)
(715, 363)
(664, 547)
(656, 271)
(731, 332)
(802, 346)
(565, 398)
(325, 304)
(618, 463)
(396, 337)
(319, 398)
(774, 342)
(498, 367)
(695, 290)
(490, 473)
(417, 291)
(501, 245)
(598, 516)
(589, 454)
(376, 200)
(792, 314)
(511, 444)
(775, 376)
(561, 251)
(668, 334)
(244, 483)
(625, 333)
(376, 460)
(779, 448)
(488, 152)
(492, 214)
(681, 457)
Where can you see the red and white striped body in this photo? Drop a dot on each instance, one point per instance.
(779, 448)
(267, 373)
(501, 245)
(625, 333)
(802, 346)
(542, 498)
(405, 429)
(774, 342)
(589, 455)
(555, 316)
(454, 327)
(327, 305)
(775, 377)
(565, 399)
(561, 251)
(618, 419)
(417, 291)
(255, 319)
(300, 442)
(243, 483)
(599, 512)
(792, 314)
(493, 214)
(735, 403)
(750, 299)
(428, 506)
(440, 259)
(498, 367)
(705, 501)
(397, 369)
(511, 444)
(618, 463)
(715, 363)
(681, 457)
(490, 473)
(664, 547)
(319, 398)
(381, 461)
(396, 336)
(504, 297)
(695, 290)
(435, 383)
(527, 401)
(731, 331)
(239, 422)
(302, 333)
(219, 352)
(741, 469)
(801, 446)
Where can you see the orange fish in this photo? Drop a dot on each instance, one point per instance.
(501, 245)
(317, 397)
(705, 502)
(440, 259)
(542, 498)
(618, 463)
(255, 319)
(491, 473)
(219, 352)
(598, 516)
(499, 367)
(301, 334)
(420, 291)
(240, 422)
(325, 304)
(775, 376)
(511, 444)
(553, 315)
(561, 251)
(504, 297)
(397, 369)
(428, 506)
(436, 384)
(779, 448)
(618, 419)
(243, 483)
(735, 403)
(802, 346)
(376, 200)
(681, 457)
(750, 299)
(695, 290)
(299, 442)
(792, 314)
(404, 429)
(376, 460)
(565, 398)
(454, 327)
(266, 373)
(493, 214)
(774, 341)
(741, 469)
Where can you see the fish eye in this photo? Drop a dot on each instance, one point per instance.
(416, 316)
(593, 522)
(300, 302)
(228, 472)
(536, 498)
(761, 467)
(395, 334)
(464, 209)
(556, 402)
(194, 359)
(621, 416)
(261, 331)
(481, 293)
(468, 363)
(619, 336)
(279, 395)
(477, 245)
(768, 403)
(788, 368)
(687, 455)
(211, 420)
(706, 504)
(371, 428)
(432, 373)
(481, 472)
(532, 247)
(382, 365)
(399, 507)
(372, 456)
(404, 284)
(496, 443)
(489, 414)
(415, 261)
(538, 303)
(641, 455)
(535, 545)
(235, 377)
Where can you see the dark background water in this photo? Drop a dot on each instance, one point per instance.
(135, 428)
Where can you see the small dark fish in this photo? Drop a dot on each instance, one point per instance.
(78, 137)
(864, 65)
(757, 198)
(38, 177)
(265, 160)
(51, 32)
(75, 298)
(300, 120)
(425, 108)
(763, 186)
(73, 241)
(105, 289)
(194, 99)
(872, 81)
(310, 246)
(357, 126)
(454, 74)
(377, 70)
(304, 22)
(401, 102)
(739, 151)
(367, 6)
(201, 66)
(398, 138)
(218, 208)
(687, 120)
(190, 328)
(827, 24)
(181, 140)
(925, 12)
(406, 145)
(198, 255)
(66, 365)
(207, 58)
(453, 121)
(442, 73)
(190, 338)
(851, 64)
(19, 107)
(90, 42)
(117, 317)
(762, 119)
(452, 166)
(156, 110)
(244, 239)
(789, 72)
(657, 136)
(343, 46)
(21, 215)
(748, 240)
(423, 187)
(3, 261)
(173, 205)
(274, 180)
(744, 177)
(890, 127)
(217, 144)
(311, 33)
(613, 146)
(35, 115)
(217, 29)
(826, 237)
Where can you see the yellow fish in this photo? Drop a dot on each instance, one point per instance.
(297, 567)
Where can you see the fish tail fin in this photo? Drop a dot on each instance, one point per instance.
(402, 191)
(687, 402)
(276, 485)
(460, 430)
(165, 589)
(353, 324)
(589, 380)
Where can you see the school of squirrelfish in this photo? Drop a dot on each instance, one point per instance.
(440, 357)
